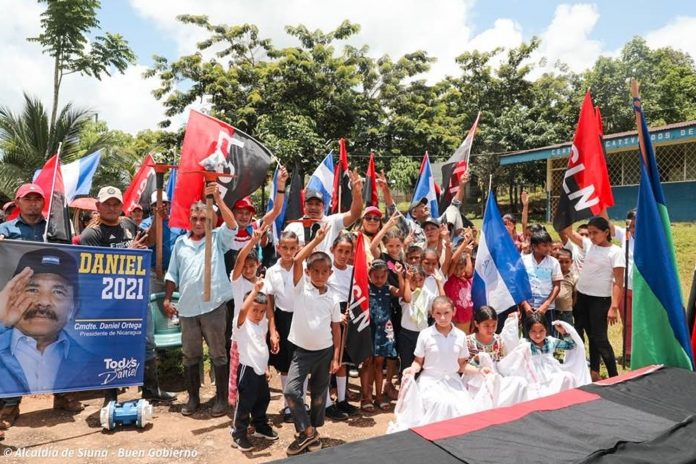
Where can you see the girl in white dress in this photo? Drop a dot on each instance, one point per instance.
(441, 357)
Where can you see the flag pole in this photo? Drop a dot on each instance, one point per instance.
(635, 93)
(208, 257)
(160, 169)
(344, 330)
(53, 187)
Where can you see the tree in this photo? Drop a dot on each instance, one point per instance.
(404, 172)
(28, 139)
(66, 25)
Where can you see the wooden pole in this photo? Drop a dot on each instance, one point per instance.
(159, 223)
(635, 93)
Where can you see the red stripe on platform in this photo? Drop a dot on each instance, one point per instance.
(481, 420)
(630, 375)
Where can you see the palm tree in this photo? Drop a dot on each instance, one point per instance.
(27, 140)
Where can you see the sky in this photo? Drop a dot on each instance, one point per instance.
(573, 33)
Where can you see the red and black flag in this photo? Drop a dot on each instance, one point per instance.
(370, 197)
(214, 146)
(454, 168)
(359, 334)
(55, 208)
(586, 189)
(342, 197)
(139, 192)
(294, 199)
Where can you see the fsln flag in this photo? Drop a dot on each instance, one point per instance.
(294, 198)
(342, 195)
(55, 207)
(425, 188)
(215, 146)
(500, 278)
(454, 168)
(359, 334)
(322, 180)
(280, 220)
(660, 334)
(586, 190)
(370, 197)
(141, 187)
(78, 175)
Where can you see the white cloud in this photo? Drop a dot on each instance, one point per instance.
(124, 101)
(567, 38)
(678, 34)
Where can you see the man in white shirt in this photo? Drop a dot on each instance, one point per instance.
(306, 228)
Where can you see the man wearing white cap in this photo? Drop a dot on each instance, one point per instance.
(114, 231)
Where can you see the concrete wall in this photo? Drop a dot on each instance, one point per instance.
(681, 200)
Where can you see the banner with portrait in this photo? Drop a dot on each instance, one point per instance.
(71, 317)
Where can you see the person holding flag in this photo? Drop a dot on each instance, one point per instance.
(305, 227)
(30, 225)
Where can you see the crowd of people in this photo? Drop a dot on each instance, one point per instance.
(280, 301)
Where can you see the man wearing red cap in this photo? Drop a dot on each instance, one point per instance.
(29, 225)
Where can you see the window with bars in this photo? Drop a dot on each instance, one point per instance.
(677, 163)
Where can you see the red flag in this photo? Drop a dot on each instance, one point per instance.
(141, 187)
(370, 189)
(51, 182)
(341, 197)
(586, 189)
(359, 336)
(212, 145)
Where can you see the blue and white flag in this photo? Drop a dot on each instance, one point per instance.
(171, 183)
(77, 176)
(322, 180)
(425, 188)
(500, 278)
(278, 223)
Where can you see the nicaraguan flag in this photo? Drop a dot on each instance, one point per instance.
(322, 180)
(500, 278)
(660, 334)
(425, 188)
(77, 176)
(278, 223)
(171, 183)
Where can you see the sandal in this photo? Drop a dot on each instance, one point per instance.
(384, 404)
(367, 406)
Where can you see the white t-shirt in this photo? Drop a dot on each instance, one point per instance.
(314, 313)
(336, 222)
(240, 287)
(541, 277)
(251, 344)
(441, 353)
(578, 255)
(278, 282)
(340, 282)
(425, 301)
(620, 234)
(597, 276)
(430, 284)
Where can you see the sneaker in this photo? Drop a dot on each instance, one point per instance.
(348, 408)
(265, 431)
(314, 446)
(301, 443)
(334, 413)
(242, 443)
(287, 416)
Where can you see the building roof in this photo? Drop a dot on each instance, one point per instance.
(680, 132)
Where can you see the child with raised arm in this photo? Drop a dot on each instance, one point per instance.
(315, 332)
(458, 285)
(250, 330)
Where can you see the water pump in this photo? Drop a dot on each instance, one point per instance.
(138, 412)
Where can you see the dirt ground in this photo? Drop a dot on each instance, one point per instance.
(44, 435)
